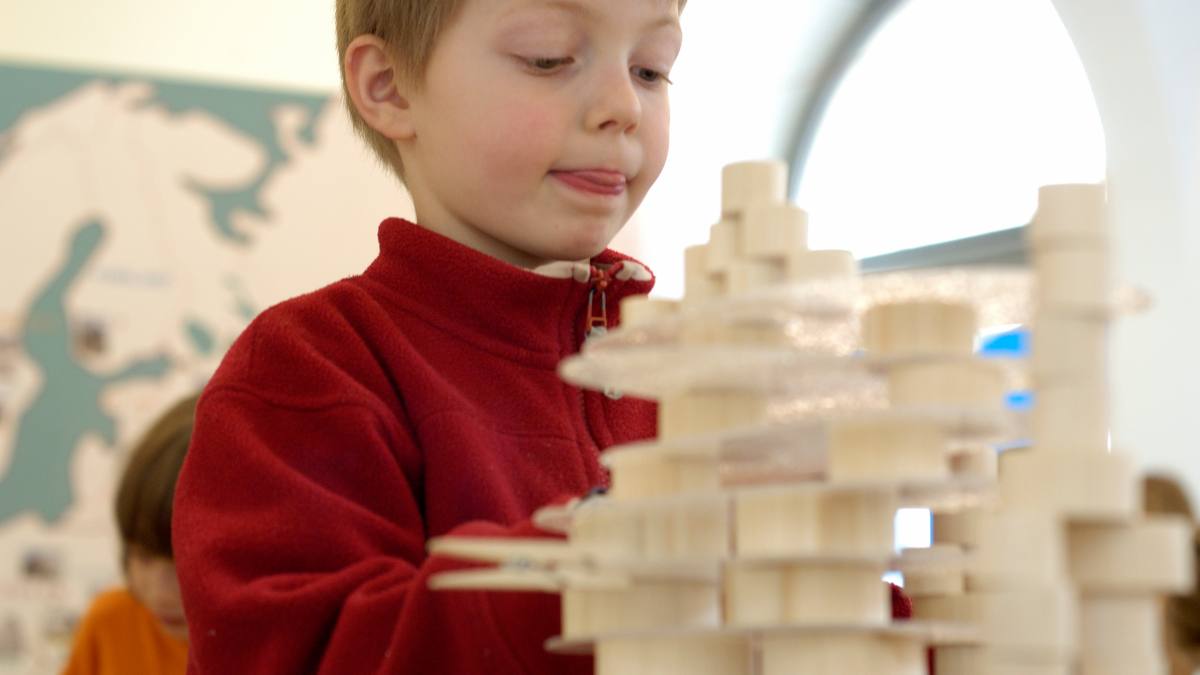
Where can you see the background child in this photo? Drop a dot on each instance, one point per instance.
(1165, 495)
(141, 628)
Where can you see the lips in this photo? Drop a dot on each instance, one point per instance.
(594, 181)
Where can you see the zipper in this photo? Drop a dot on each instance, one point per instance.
(596, 325)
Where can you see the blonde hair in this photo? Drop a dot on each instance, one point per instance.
(410, 29)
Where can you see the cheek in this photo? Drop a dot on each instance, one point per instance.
(513, 138)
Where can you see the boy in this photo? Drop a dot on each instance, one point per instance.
(141, 628)
(347, 427)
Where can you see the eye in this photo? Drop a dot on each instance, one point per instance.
(547, 64)
(650, 76)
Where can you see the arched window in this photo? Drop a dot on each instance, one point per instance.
(943, 128)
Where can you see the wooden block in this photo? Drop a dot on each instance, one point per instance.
(937, 582)
(952, 383)
(1014, 549)
(747, 183)
(1121, 634)
(1071, 416)
(639, 310)
(600, 530)
(751, 275)
(645, 606)
(954, 527)
(688, 530)
(1151, 556)
(643, 475)
(699, 655)
(1069, 348)
(773, 231)
(783, 522)
(707, 412)
(841, 654)
(758, 594)
(699, 285)
(963, 660)
(979, 463)
(1070, 484)
(1077, 212)
(920, 328)
(724, 247)
(1036, 623)
(810, 266)
(896, 448)
(1073, 278)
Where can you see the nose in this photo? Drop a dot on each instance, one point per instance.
(615, 105)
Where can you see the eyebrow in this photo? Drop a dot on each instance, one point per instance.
(576, 7)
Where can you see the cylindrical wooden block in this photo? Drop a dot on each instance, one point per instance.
(1039, 623)
(750, 275)
(639, 310)
(699, 655)
(606, 532)
(956, 660)
(951, 383)
(1014, 549)
(1071, 212)
(784, 523)
(1147, 557)
(1073, 278)
(1121, 634)
(686, 530)
(724, 246)
(807, 266)
(747, 183)
(699, 285)
(641, 475)
(920, 328)
(1069, 348)
(645, 606)
(762, 594)
(773, 231)
(1070, 484)
(1071, 416)
(707, 412)
(954, 527)
(841, 654)
(900, 449)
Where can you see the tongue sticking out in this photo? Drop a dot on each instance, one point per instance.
(602, 182)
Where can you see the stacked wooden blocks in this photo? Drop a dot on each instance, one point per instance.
(1065, 575)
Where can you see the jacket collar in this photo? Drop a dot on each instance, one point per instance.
(485, 299)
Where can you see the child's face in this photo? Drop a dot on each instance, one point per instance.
(153, 582)
(541, 124)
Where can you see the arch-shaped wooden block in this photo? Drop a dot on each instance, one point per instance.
(699, 655)
(920, 328)
(794, 593)
(840, 654)
(644, 606)
(895, 448)
(790, 522)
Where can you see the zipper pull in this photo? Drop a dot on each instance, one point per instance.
(597, 321)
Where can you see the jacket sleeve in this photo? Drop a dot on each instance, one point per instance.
(300, 546)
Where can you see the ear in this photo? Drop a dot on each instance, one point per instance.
(373, 83)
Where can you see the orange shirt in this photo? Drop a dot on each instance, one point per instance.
(119, 636)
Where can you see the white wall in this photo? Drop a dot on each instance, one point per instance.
(1144, 64)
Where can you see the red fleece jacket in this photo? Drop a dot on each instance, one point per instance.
(348, 426)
